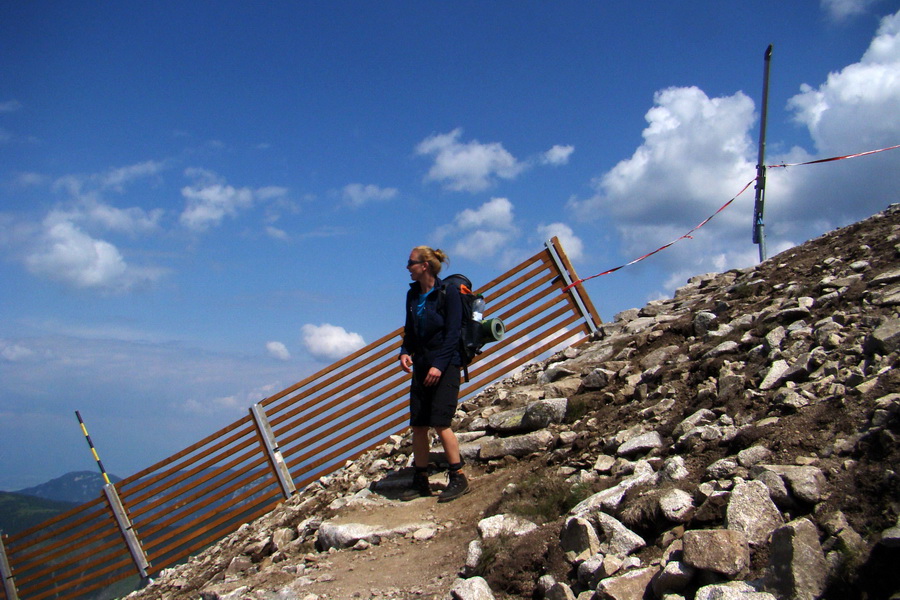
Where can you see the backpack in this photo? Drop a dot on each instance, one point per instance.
(475, 331)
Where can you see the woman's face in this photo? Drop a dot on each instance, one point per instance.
(415, 266)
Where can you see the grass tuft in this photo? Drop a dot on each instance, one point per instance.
(542, 499)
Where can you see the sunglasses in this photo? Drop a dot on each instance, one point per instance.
(410, 263)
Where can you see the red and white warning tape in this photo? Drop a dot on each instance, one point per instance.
(723, 207)
(833, 158)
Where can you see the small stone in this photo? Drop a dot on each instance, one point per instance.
(424, 534)
(604, 463)
(719, 550)
(504, 524)
(640, 444)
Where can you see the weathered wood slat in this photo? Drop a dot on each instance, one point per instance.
(580, 288)
(504, 359)
(214, 534)
(194, 529)
(332, 402)
(99, 504)
(112, 541)
(210, 495)
(276, 419)
(338, 433)
(345, 449)
(102, 582)
(320, 374)
(65, 540)
(209, 475)
(137, 479)
(299, 459)
(311, 424)
(530, 287)
(390, 428)
(176, 474)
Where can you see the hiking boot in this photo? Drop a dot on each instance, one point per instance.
(419, 487)
(457, 485)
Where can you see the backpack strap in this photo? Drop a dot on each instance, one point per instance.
(442, 300)
(442, 304)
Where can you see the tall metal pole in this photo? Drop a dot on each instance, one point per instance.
(126, 527)
(9, 584)
(91, 445)
(759, 207)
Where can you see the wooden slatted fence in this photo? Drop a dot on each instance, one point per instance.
(190, 500)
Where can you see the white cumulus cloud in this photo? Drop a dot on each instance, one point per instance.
(467, 166)
(278, 350)
(71, 245)
(497, 213)
(557, 155)
(853, 110)
(63, 252)
(840, 10)
(89, 206)
(697, 153)
(571, 243)
(357, 194)
(208, 205)
(483, 232)
(209, 200)
(13, 352)
(271, 192)
(132, 220)
(116, 178)
(276, 233)
(859, 104)
(329, 342)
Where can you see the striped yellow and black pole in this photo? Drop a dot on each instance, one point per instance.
(138, 555)
(93, 450)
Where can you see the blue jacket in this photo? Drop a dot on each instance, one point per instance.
(435, 341)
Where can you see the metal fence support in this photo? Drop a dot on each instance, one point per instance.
(273, 453)
(131, 540)
(8, 583)
(589, 319)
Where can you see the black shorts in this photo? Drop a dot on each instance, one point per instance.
(434, 406)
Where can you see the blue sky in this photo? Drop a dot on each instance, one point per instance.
(204, 202)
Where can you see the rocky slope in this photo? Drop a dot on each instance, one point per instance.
(739, 440)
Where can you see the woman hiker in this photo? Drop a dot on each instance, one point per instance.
(430, 351)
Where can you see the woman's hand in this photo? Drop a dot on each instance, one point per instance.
(434, 375)
(406, 362)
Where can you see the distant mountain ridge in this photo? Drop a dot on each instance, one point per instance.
(76, 487)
